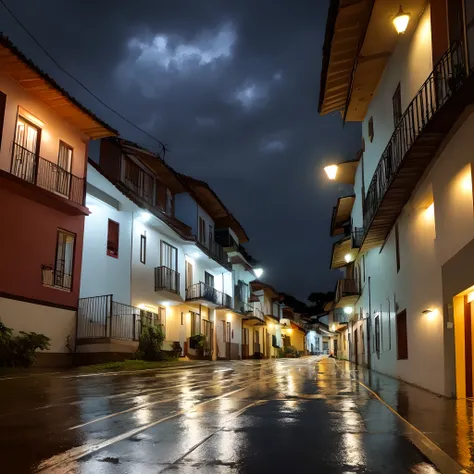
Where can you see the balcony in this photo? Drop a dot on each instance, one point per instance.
(217, 253)
(47, 175)
(200, 292)
(101, 317)
(229, 244)
(347, 293)
(414, 143)
(250, 311)
(357, 237)
(167, 279)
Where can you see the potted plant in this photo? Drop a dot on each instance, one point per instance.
(176, 349)
(198, 342)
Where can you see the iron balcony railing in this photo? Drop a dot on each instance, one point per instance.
(56, 278)
(357, 236)
(347, 287)
(218, 253)
(201, 291)
(224, 238)
(167, 279)
(138, 181)
(447, 76)
(101, 316)
(31, 167)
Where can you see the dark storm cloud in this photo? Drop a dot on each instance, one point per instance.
(232, 89)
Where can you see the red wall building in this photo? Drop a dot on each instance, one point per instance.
(44, 135)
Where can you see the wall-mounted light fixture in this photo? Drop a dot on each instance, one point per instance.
(401, 20)
(430, 312)
(348, 309)
(145, 216)
(331, 171)
(347, 257)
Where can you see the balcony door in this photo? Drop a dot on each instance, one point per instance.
(63, 171)
(25, 150)
(189, 274)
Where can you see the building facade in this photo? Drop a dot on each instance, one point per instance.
(159, 246)
(44, 136)
(406, 233)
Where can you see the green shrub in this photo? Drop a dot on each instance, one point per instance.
(290, 351)
(198, 341)
(19, 350)
(151, 343)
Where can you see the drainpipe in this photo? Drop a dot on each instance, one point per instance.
(369, 325)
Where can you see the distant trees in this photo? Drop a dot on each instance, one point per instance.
(319, 300)
(316, 299)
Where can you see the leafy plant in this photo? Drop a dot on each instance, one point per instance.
(19, 350)
(151, 343)
(290, 351)
(198, 341)
(176, 349)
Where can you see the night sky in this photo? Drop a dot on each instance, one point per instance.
(232, 88)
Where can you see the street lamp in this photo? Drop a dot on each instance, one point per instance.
(331, 171)
(258, 272)
(401, 20)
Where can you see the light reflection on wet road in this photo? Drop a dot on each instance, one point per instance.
(300, 415)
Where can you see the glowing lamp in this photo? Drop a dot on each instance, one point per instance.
(145, 216)
(258, 272)
(401, 20)
(348, 310)
(331, 171)
(347, 257)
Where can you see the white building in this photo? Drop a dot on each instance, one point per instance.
(407, 234)
(150, 252)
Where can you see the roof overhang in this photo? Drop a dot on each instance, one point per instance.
(346, 170)
(209, 200)
(360, 38)
(339, 250)
(165, 173)
(258, 285)
(341, 214)
(30, 77)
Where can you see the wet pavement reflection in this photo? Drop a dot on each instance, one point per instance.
(297, 415)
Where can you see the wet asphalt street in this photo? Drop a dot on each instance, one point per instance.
(290, 416)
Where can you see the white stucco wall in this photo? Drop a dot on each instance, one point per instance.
(58, 324)
(426, 243)
(102, 274)
(410, 65)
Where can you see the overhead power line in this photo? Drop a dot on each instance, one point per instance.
(164, 149)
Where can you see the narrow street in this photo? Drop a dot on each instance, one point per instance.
(301, 415)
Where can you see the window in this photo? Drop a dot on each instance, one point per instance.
(169, 203)
(397, 247)
(162, 318)
(3, 104)
(202, 231)
(63, 265)
(143, 248)
(377, 334)
(371, 129)
(182, 319)
(402, 336)
(25, 150)
(113, 239)
(62, 181)
(211, 233)
(195, 323)
(209, 279)
(169, 256)
(397, 106)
